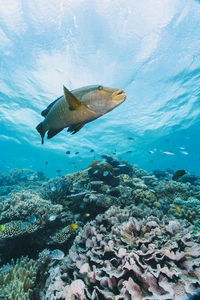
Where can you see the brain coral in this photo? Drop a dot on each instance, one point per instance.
(117, 256)
(17, 280)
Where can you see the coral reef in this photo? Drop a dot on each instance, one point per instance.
(17, 280)
(56, 189)
(117, 256)
(18, 179)
(137, 242)
(188, 209)
(18, 230)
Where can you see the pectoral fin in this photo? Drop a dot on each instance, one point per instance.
(74, 103)
(75, 128)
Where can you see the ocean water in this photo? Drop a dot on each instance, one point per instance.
(148, 48)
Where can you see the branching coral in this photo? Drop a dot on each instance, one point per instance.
(17, 280)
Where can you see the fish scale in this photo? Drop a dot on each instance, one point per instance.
(76, 108)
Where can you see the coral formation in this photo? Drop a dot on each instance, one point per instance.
(140, 247)
(17, 280)
(15, 214)
(117, 256)
(18, 179)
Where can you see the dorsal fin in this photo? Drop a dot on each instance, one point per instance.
(44, 113)
(74, 103)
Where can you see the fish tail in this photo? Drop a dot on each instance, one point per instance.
(41, 129)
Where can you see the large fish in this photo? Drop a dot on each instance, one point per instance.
(76, 108)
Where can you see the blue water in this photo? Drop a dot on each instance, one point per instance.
(151, 49)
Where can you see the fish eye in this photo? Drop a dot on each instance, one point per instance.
(100, 87)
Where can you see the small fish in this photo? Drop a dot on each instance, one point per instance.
(182, 148)
(184, 152)
(22, 176)
(178, 209)
(53, 189)
(58, 171)
(56, 254)
(131, 138)
(178, 174)
(105, 173)
(72, 226)
(8, 196)
(4, 269)
(157, 204)
(23, 225)
(118, 206)
(78, 107)
(52, 217)
(77, 152)
(129, 151)
(68, 152)
(91, 150)
(196, 229)
(151, 152)
(2, 228)
(87, 215)
(32, 219)
(168, 153)
(46, 162)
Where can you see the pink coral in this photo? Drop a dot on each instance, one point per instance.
(119, 257)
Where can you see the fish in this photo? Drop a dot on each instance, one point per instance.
(168, 153)
(56, 254)
(178, 209)
(52, 217)
(32, 219)
(131, 138)
(2, 228)
(58, 171)
(184, 152)
(105, 173)
(91, 150)
(129, 151)
(196, 229)
(151, 152)
(77, 152)
(68, 152)
(78, 107)
(87, 215)
(72, 226)
(23, 225)
(5, 268)
(178, 174)
(46, 162)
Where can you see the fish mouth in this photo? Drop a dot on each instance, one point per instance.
(119, 95)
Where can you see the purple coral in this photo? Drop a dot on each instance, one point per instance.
(117, 256)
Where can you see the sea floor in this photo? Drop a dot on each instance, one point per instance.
(111, 231)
